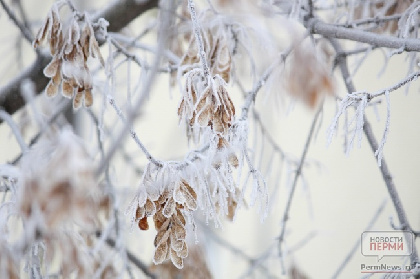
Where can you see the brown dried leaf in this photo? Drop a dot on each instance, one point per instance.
(161, 252)
(204, 118)
(179, 218)
(176, 260)
(183, 253)
(189, 195)
(231, 209)
(179, 231)
(169, 208)
(57, 78)
(68, 89)
(140, 213)
(77, 101)
(51, 89)
(161, 236)
(176, 244)
(150, 208)
(143, 224)
(160, 220)
(84, 41)
(42, 32)
(88, 98)
(51, 69)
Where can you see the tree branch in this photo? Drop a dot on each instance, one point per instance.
(119, 14)
(316, 26)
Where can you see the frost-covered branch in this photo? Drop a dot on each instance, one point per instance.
(316, 26)
(134, 134)
(199, 39)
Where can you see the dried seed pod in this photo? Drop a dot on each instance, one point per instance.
(161, 236)
(77, 101)
(161, 222)
(143, 224)
(189, 195)
(150, 208)
(52, 68)
(179, 231)
(51, 89)
(176, 244)
(169, 208)
(68, 89)
(140, 213)
(183, 253)
(161, 253)
(179, 218)
(176, 260)
(88, 98)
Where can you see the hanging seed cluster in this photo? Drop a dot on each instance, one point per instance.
(167, 211)
(205, 100)
(70, 47)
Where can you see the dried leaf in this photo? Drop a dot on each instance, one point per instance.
(77, 101)
(68, 89)
(143, 224)
(169, 208)
(179, 231)
(231, 209)
(161, 252)
(51, 69)
(189, 195)
(140, 213)
(150, 208)
(88, 98)
(176, 260)
(161, 236)
(51, 89)
(161, 222)
(84, 41)
(176, 244)
(179, 218)
(57, 78)
(183, 253)
(42, 32)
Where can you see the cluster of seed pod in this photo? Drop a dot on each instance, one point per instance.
(167, 211)
(213, 107)
(70, 48)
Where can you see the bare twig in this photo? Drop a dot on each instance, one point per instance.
(295, 180)
(134, 134)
